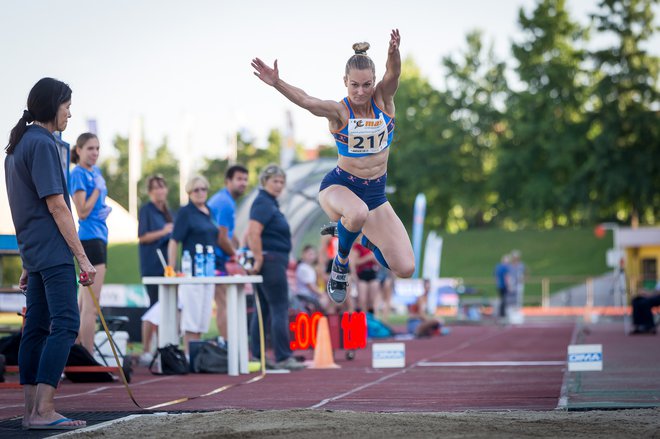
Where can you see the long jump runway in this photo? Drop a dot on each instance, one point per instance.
(476, 367)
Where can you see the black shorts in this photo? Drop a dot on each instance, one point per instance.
(367, 275)
(96, 251)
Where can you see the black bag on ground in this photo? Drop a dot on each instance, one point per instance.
(169, 360)
(9, 348)
(210, 358)
(79, 356)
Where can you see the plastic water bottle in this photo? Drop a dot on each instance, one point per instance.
(186, 264)
(210, 261)
(199, 260)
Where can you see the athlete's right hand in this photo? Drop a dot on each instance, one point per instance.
(269, 75)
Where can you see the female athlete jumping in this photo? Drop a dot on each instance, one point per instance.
(353, 194)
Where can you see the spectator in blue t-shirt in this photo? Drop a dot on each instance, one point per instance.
(194, 226)
(155, 226)
(269, 239)
(47, 241)
(502, 275)
(89, 191)
(223, 211)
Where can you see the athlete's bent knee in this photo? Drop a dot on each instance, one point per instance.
(404, 270)
(355, 219)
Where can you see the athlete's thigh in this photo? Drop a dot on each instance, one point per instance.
(384, 228)
(337, 201)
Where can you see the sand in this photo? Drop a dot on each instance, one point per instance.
(317, 424)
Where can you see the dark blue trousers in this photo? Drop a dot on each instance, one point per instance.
(274, 300)
(51, 325)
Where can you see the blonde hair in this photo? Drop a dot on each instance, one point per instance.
(360, 61)
(192, 181)
(269, 171)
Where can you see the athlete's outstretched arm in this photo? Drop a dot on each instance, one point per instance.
(271, 76)
(390, 82)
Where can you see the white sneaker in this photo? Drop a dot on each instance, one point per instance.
(145, 359)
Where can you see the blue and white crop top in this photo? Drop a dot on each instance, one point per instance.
(362, 137)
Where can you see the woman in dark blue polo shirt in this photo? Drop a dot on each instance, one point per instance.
(269, 238)
(154, 230)
(193, 225)
(47, 241)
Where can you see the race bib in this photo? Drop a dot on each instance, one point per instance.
(367, 136)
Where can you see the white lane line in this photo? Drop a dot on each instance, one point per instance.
(488, 363)
(387, 377)
(96, 390)
(562, 403)
(75, 395)
(357, 389)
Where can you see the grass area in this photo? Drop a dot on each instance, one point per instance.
(123, 264)
(546, 253)
(572, 255)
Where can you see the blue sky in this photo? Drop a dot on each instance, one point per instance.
(184, 67)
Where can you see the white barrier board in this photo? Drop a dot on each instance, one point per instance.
(585, 357)
(388, 355)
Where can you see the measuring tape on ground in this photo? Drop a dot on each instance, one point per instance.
(84, 277)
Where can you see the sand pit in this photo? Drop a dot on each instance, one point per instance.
(304, 424)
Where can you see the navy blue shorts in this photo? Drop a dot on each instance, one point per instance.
(372, 192)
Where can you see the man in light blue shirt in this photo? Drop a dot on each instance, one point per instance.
(223, 211)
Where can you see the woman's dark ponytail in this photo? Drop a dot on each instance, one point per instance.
(17, 133)
(43, 102)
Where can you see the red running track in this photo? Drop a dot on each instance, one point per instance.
(519, 367)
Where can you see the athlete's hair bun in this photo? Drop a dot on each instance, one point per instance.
(361, 48)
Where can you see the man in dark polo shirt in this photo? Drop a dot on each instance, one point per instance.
(47, 241)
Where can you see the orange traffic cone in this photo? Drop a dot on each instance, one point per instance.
(323, 356)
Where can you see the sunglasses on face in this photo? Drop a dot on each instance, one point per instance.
(199, 189)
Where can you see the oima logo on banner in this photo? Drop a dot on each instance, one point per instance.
(389, 355)
(585, 357)
(577, 358)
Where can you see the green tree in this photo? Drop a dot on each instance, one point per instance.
(476, 92)
(624, 167)
(446, 140)
(539, 163)
(420, 157)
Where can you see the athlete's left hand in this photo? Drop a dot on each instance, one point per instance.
(395, 40)
(269, 75)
